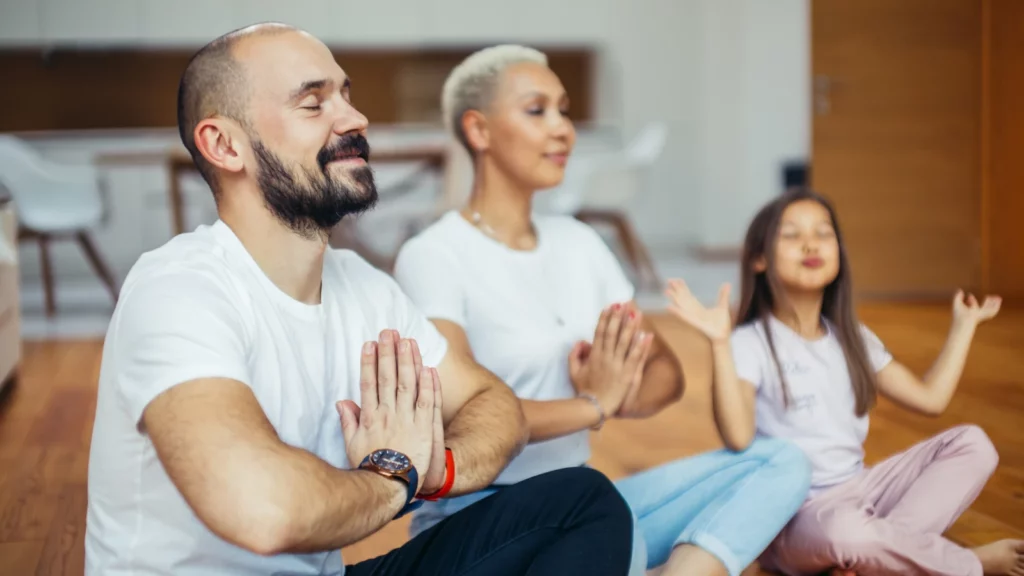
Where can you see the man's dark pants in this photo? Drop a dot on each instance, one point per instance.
(570, 521)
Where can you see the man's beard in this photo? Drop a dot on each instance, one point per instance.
(313, 205)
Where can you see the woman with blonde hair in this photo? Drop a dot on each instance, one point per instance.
(542, 302)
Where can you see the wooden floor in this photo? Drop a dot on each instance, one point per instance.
(46, 422)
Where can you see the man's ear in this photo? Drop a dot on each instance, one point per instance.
(218, 140)
(474, 126)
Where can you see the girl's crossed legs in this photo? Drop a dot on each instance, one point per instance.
(890, 518)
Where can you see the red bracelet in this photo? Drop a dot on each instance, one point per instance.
(449, 478)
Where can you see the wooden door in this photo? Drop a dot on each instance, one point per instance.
(896, 139)
(1003, 152)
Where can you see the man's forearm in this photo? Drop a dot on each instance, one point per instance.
(485, 435)
(327, 508)
(250, 488)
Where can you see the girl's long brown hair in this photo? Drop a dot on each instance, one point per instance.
(758, 291)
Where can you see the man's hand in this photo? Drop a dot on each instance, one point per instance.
(397, 405)
(612, 366)
(434, 479)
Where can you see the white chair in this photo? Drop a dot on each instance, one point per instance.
(599, 188)
(54, 201)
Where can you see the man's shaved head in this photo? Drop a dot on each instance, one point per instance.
(268, 108)
(214, 84)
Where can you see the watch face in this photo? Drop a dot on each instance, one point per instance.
(390, 460)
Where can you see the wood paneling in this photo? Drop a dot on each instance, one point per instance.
(46, 425)
(92, 89)
(896, 139)
(1003, 206)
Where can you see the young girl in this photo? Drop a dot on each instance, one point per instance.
(801, 367)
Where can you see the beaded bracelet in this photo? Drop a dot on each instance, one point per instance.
(600, 410)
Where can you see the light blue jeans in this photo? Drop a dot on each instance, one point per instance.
(730, 504)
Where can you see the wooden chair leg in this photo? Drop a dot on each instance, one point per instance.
(610, 218)
(644, 263)
(593, 217)
(644, 255)
(637, 254)
(47, 272)
(101, 268)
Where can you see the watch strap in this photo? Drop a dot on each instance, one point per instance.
(408, 508)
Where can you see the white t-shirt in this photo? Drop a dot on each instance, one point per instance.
(522, 311)
(821, 418)
(201, 307)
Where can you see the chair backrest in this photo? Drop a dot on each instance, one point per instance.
(568, 196)
(19, 162)
(606, 179)
(620, 177)
(40, 186)
(648, 144)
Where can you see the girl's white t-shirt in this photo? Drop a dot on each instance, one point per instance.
(522, 311)
(821, 417)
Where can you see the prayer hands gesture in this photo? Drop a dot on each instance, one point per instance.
(611, 367)
(967, 309)
(400, 409)
(715, 322)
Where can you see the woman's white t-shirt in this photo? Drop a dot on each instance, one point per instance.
(821, 417)
(522, 311)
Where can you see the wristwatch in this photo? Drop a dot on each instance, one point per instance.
(393, 464)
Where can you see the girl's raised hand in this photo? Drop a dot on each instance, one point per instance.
(968, 309)
(715, 322)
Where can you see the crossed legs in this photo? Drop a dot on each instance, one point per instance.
(890, 519)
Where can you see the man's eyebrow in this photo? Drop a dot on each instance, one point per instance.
(307, 87)
(316, 85)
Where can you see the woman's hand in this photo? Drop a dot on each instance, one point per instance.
(610, 366)
(715, 323)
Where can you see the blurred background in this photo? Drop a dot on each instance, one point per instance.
(691, 115)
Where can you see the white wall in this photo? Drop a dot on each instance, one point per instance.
(729, 77)
(654, 52)
(754, 109)
(338, 22)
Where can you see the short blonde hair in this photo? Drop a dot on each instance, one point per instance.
(471, 84)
